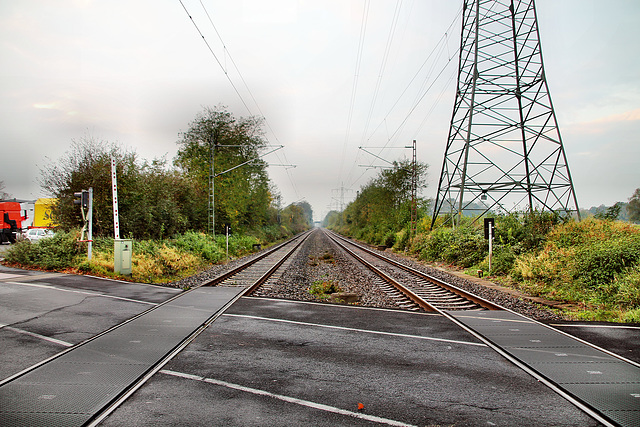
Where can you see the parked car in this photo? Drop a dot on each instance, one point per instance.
(35, 234)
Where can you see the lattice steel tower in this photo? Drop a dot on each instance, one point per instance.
(504, 150)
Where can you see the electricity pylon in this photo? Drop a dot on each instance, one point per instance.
(504, 150)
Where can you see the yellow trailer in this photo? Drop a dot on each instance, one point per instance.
(42, 213)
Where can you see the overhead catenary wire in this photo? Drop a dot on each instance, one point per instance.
(235, 66)
(439, 48)
(216, 57)
(225, 71)
(354, 87)
(385, 56)
(383, 66)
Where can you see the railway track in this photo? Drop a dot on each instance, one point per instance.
(577, 370)
(412, 289)
(261, 269)
(112, 365)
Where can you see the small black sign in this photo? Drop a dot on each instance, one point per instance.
(488, 222)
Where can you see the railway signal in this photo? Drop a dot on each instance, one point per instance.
(84, 198)
(81, 198)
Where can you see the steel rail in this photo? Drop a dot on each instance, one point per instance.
(275, 267)
(243, 266)
(447, 286)
(125, 393)
(421, 302)
(576, 401)
(119, 400)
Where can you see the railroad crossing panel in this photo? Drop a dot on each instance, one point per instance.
(70, 389)
(608, 384)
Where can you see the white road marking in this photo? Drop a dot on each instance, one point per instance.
(75, 291)
(33, 334)
(356, 330)
(288, 399)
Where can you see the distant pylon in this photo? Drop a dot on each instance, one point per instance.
(504, 150)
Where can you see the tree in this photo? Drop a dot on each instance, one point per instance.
(293, 218)
(633, 208)
(611, 213)
(242, 196)
(3, 195)
(308, 212)
(153, 201)
(383, 205)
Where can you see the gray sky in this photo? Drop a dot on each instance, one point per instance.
(137, 72)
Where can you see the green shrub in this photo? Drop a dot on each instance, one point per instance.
(436, 243)
(598, 263)
(200, 244)
(389, 239)
(402, 239)
(502, 260)
(53, 253)
(628, 288)
(464, 246)
(239, 245)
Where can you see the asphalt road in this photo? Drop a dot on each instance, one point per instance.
(41, 314)
(271, 362)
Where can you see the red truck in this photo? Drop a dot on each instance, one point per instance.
(10, 221)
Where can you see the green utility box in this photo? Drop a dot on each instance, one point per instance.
(122, 251)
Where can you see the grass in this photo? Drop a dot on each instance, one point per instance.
(153, 261)
(324, 288)
(593, 264)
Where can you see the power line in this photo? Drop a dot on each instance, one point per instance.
(383, 66)
(215, 56)
(227, 52)
(363, 30)
(241, 78)
(439, 48)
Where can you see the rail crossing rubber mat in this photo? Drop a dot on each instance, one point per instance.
(607, 384)
(72, 388)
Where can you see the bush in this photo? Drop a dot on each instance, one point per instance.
(463, 246)
(502, 260)
(200, 244)
(239, 245)
(629, 288)
(598, 263)
(389, 239)
(54, 253)
(402, 239)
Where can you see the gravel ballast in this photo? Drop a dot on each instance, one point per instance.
(320, 260)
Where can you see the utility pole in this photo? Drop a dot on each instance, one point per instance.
(414, 191)
(212, 172)
(339, 198)
(414, 178)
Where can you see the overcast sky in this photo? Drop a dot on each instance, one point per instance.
(137, 72)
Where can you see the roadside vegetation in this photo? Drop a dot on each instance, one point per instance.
(164, 207)
(153, 260)
(593, 265)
